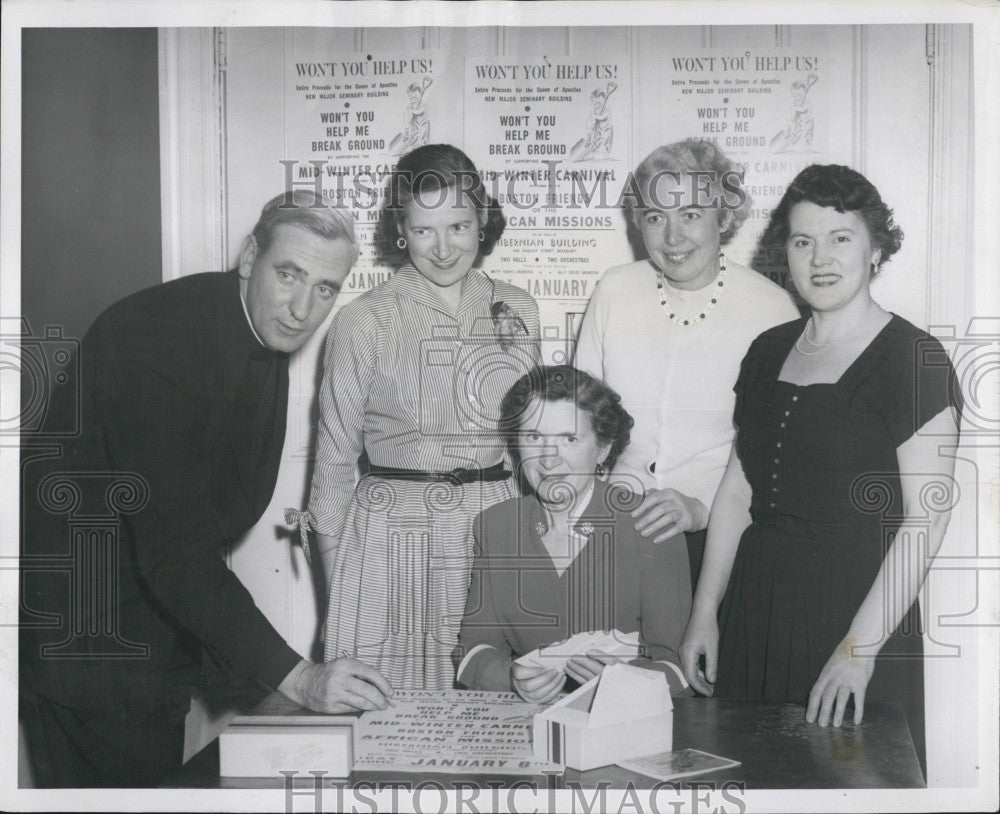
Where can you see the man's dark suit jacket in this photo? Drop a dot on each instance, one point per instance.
(182, 425)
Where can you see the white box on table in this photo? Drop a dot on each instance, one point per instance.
(281, 736)
(625, 712)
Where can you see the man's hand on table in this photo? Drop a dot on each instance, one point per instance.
(342, 685)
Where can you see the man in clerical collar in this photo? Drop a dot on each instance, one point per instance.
(182, 402)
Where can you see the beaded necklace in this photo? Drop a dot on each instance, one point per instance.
(661, 287)
(820, 348)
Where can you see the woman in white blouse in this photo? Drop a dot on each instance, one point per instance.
(668, 333)
(415, 371)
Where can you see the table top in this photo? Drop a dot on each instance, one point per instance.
(776, 747)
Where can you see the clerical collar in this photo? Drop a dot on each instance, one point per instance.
(246, 313)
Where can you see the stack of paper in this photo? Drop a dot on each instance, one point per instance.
(611, 643)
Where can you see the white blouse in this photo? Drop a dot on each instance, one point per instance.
(677, 381)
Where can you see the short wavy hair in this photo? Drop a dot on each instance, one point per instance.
(843, 189)
(693, 155)
(429, 169)
(610, 421)
(305, 209)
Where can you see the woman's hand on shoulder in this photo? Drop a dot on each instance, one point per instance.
(536, 684)
(666, 512)
(844, 674)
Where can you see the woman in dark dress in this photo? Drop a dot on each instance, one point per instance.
(835, 499)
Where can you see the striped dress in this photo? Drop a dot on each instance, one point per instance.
(413, 387)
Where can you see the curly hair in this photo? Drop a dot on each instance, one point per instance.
(843, 189)
(610, 421)
(435, 168)
(693, 156)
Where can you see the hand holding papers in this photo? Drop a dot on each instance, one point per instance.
(624, 646)
(586, 668)
(535, 684)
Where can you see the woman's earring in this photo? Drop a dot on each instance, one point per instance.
(482, 235)
(401, 243)
(600, 469)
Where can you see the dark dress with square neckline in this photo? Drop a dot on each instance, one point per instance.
(821, 461)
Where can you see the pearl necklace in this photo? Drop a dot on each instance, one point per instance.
(661, 287)
(821, 348)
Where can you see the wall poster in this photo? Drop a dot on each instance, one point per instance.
(348, 119)
(769, 110)
(554, 137)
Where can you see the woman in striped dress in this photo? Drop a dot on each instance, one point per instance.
(415, 371)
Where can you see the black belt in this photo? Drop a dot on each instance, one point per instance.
(455, 477)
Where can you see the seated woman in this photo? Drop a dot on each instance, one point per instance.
(566, 558)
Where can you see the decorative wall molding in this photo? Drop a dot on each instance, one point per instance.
(192, 157)
(950, 193)
(859, 98)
